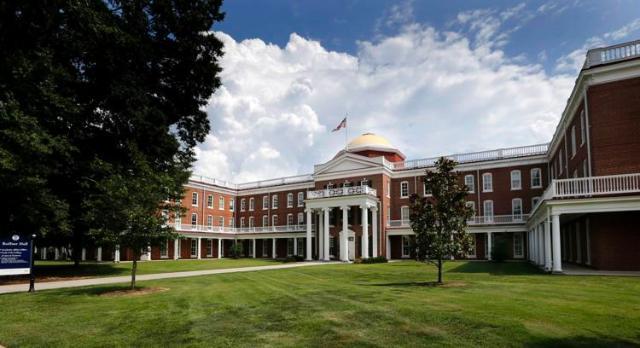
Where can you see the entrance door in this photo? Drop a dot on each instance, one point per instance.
(352, 247)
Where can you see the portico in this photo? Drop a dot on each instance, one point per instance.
(327, 206)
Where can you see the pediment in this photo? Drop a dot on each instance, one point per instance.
(347, 163)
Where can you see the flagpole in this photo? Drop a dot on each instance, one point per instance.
(346, 133)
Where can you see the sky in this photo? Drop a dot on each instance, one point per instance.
(433, 77)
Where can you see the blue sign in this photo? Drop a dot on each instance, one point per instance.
(15, 255)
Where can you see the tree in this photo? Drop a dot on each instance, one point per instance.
(440, 222)
(120, 84)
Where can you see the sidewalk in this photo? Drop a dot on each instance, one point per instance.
(5, 289)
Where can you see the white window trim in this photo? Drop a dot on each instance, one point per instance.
(484, 210)
(300, 201)
(210, 201)
(472, 188)
(165, 255)
(274, 217)
(221, 200)
(403, 208)
(194, 195)
(275, 202)
(424, 190)
(243, 204)
(300, 218)
(265, 202)
(401, 185)
(252, 222)
(513, 188)
(265, 218)
(289, 201)
(290, 217)
(194, 248)
(196, 219)
(402, 241)
(252, 204)
(242, 222)
(513, 205)
(539, 176)
(521, 254)
(484, 186)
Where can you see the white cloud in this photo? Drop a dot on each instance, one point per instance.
(430, 92)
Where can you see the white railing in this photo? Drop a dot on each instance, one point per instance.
(476, 220)
(612, 53)
(511, 152)
(342, 191)
(237, 230)
(275, 182)
(594, 186)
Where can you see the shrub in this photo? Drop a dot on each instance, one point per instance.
(499, 251)
(294, 258)
(236, 250)
(377, 259)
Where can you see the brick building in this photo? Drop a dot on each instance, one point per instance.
(574, 200)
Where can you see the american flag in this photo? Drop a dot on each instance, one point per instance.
(342, 124)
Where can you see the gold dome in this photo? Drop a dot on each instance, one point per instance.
(369, 140)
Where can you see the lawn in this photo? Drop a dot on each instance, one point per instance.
(53, 270)
(379, 305)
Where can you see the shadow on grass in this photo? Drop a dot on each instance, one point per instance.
(581, 341)
(496, 268)
(431, 284)
(66, 270)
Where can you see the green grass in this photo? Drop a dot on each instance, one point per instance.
(63, 269)
(376, 305)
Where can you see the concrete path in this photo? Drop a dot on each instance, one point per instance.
(5, 289)
(571, 269)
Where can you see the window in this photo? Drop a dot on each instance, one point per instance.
(221, 203)
(274, 220)
(364, 182)
(265, 202)
(164, 249)
(516, 208)
(426, 190)
(242, 222)
(516, 180)
(252, 204)
(536, 178)
(289, 246)
(232, 222)
(301, 245)
(243, 204)
(300, 199)
(300, 219)
(472, 206)
(209, 246)
(406, 246)
(583, 128)
(404, 189)
(274, 202)
(289, 200)
(251, 222)
(404, 214)
(332, 246)
(487, 182)
(517, 245)
(488, 211)
(265, 248)
(265, 221)
(221, 221)
(469, 182)
(210, 221)
(573, 141)
(194, 198)
(194, 248)
(232, 204)
(534, 202)
(210, 201)
(194, 219)
(177, 220)
(289, 219)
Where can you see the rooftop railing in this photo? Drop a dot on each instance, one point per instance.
(511, 152)
(593, 186)
(342, 191)
(612, 54)
(254, 184)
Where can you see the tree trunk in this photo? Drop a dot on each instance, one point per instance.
(134, 268)
(440, 270)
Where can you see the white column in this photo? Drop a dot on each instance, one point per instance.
(199, 248)
(320, 236)
(374, 231)
(219, 248)
(83, 254)
(536, 232)
(308, 258)
(99, 255)
(547, 246)
(557, 255)
(488, 245)
(295, 246)
(43, 256)
(365, 231)
(388, 249)
(176, 249)
(56, 253)
(530, 245)
(273, 248)
(542, 241)
(344, 236)
(326, 234)
(253, 247)
(148, 252)
(116, 254)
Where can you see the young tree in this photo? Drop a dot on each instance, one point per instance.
(440, 223)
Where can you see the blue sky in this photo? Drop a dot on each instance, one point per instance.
(433, 77)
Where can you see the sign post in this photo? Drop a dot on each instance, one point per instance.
(16, 256)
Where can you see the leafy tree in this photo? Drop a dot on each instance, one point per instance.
(120, 86)
(440, 223)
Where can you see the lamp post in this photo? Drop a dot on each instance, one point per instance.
(32, 277)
